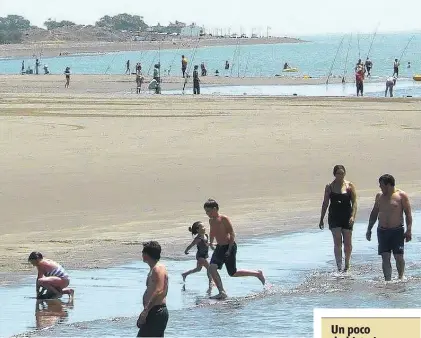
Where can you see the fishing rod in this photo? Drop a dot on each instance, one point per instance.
(175, 55)
(372, 41)
(234, 56)
(406, 47)
(109, 66)
(334, 60)
(191, 64)
(247, 64)
(359, 49)
(346, 60)
(238, 59)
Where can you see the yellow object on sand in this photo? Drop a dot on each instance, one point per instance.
(290, 70)
(306, 77)
(417, 77)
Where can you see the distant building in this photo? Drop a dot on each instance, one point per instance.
(191, 30)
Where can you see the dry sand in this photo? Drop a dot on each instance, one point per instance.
(87, 177)
(54, 48)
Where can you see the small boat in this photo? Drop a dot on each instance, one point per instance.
(417, 77)
(290, 70)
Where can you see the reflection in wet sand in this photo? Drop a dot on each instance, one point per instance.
(51, 312)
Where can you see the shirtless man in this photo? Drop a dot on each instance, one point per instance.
(153, 320)
(389, 207)
(226, 248)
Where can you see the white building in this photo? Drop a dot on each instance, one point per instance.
(191, 31)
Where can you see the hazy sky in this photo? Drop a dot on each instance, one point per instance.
(297, 17)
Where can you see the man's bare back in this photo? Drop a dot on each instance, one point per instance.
(391, 209)
(157, 281)
(219, 229)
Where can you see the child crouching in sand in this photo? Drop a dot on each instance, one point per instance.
(202, 243)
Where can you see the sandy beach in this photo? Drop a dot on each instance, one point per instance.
(55, 48)
(118, 85)
(88, 175)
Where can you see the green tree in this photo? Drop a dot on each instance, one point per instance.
(11, 28)
(52, 24)
(122, 22)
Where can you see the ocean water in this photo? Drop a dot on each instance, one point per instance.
(299, 269)
(314, 58)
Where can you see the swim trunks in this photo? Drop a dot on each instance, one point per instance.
(156, 322)
(219, 258)
(391, 240)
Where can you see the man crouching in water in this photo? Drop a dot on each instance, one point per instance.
(226, 248)
(389, 207)
(153, 320)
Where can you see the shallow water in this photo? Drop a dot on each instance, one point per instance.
(298, 267)
(404, 88)
(314, 58)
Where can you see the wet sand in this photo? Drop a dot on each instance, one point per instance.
(87, 177)
(117, 85)
(54, 48)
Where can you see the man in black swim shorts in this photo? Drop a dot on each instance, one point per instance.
(226, 248)
(153, 320)
(389, 207)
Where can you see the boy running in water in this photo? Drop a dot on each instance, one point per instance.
(225, 250)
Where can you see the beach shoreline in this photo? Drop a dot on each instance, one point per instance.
(88, 176)
(73, 48)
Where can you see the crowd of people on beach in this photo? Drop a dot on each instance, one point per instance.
(390, 207)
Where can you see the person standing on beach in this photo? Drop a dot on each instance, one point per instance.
(128, 67)
(341, 198)
(225, 251)
(153, 320)
(139, 81)
(390, 83)
(396, 65)
(368, 66)
(67, 74)
(183, 65)
(22, 71)
(196, 81)
(227, 65)
(51, 277)
(389, 206)
(359, 81)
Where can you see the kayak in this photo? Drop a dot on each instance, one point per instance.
(290, 70)
(417, 77)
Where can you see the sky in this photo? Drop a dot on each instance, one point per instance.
(285, 18)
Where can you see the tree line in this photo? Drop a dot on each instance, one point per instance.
(13, 27)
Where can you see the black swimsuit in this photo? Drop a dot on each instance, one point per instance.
(340, 209)
(202, 248)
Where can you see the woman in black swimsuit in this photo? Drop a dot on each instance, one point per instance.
(341, 198)
(202, 243)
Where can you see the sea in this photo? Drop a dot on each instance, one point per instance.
(320, 56)
(300, 274)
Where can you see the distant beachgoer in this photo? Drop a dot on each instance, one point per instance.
(359, 81)
(227, 65)
(156, 73)
(138, 68)
(226, 249)
(128, 67)
(359, 65)
(22, 70)
(396, 68)
(139, 82)
(286, 66)
(183, 65)
(51, 277)
(67, 73)
(388, 209)
(46, 70)
(368, 66)
(202, 243)
(217, 72)
(203, 69)
(409, 65)
(196, 80)
(342, 211)
(153, 320)
(390, 83)
(37, 64)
